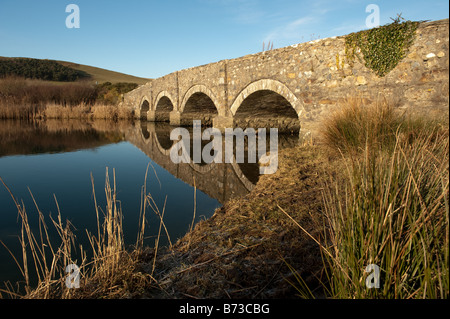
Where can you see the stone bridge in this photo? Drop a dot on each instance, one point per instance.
(296, 86)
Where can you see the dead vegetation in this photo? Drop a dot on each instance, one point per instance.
(107, 269)
(249, 247)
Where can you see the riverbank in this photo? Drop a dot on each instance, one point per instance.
(81, 111)
(243, 251)
(373, 191)
(247, 248)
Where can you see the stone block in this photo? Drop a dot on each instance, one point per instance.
(175, 118)
(151, 116)
(291, 75)
(360, 80)
(223, 122)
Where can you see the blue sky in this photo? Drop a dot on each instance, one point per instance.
(154, 38)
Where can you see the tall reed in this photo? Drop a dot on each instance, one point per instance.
(111, 272)
(48, 259)
(28, 99)
(390, 208)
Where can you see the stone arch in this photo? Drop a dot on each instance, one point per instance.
(242, 177)
(269, 85)
(161, 95)
(162, 138)
(267, 102)
(162, 150)
(202, 169)
(164, 104)
(144, 132)
(199, 103)
(144, 107)
(199, 88)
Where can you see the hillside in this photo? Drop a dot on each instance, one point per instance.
(41, 69)
(102, 75)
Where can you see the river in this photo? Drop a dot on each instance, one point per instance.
(50, 165)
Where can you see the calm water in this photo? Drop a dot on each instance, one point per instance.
(55, 160)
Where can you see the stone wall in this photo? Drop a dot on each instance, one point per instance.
(311, 78)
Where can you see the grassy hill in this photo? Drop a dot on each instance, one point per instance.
(101, 75)
(96, 74)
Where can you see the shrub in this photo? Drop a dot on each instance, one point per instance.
(356, 126)
(39, 69)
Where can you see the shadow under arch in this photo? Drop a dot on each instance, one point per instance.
(220, 181)
(267, 103)
(246, 173)
(199, 103)
(163, 106)
(249, 183)
(144, 107)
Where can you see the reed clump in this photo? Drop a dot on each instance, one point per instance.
(34, 99)
(390, 206)
(86, 112)
(81, 111)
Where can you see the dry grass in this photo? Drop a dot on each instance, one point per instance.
(389, 204)
(244, 250)
(17, 112)
(55, 111)
(112, 272)
(58, 111)
(102, 75)
(83, 111)
(110, 112)
(31, 99)
(391, 209)
(358, 125)
(17, 91)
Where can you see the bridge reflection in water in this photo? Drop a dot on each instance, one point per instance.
(220, 181)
